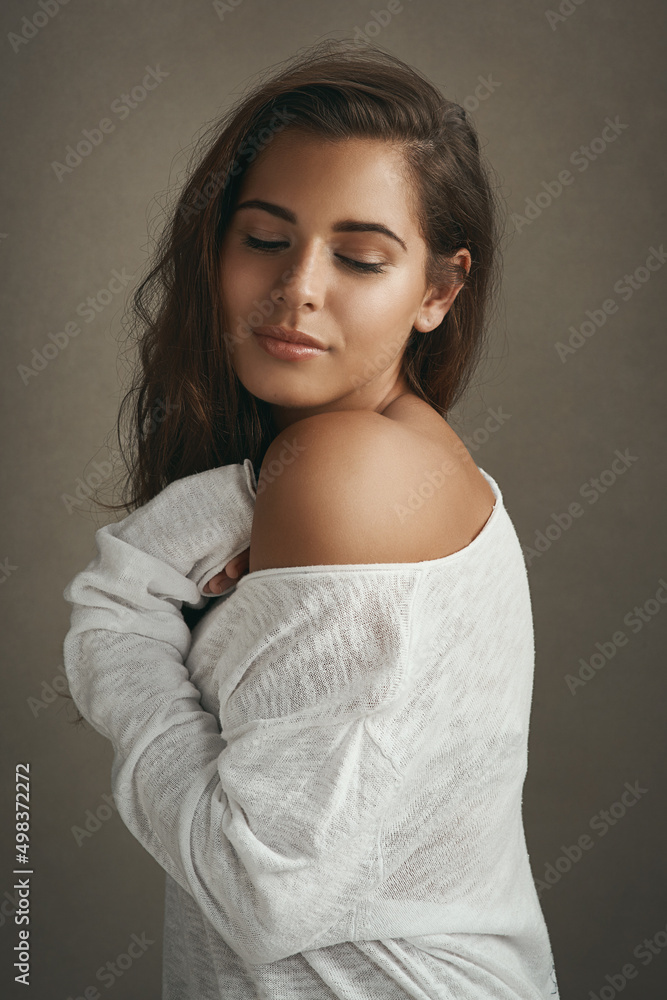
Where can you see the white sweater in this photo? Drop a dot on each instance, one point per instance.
(329, 768)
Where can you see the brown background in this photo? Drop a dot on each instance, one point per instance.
(550, 88)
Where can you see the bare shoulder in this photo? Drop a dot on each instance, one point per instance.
(356, 486)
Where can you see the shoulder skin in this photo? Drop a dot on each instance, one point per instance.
(334, 488)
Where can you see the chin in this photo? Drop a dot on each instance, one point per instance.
(275, 391)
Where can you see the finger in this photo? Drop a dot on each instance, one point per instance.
(236, 565)
(216, 584)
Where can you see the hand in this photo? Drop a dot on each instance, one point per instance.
(233, 571)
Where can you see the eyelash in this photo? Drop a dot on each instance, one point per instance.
(357, 265)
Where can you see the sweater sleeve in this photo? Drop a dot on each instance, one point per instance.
(128, 599)
(274, 832)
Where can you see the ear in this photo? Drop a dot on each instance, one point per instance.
(439, 298)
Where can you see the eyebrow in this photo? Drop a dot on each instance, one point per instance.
(345, 226)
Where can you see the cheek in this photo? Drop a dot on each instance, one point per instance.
(238, 291)
(379, 322)
(381, 309)
(234, 279)
(244, 286)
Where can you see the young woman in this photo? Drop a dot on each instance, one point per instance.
(327, 759)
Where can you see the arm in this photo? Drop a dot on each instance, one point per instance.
(148, 565)
(275, 834)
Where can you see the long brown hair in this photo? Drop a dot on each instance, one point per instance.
(186, 410)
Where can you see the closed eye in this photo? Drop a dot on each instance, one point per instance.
(265, 246)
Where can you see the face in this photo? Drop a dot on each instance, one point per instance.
(303, 260)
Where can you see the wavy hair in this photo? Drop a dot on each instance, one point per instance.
(186, 410)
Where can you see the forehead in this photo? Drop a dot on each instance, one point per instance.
(335, 178)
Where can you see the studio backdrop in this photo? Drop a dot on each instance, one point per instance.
(103, 104)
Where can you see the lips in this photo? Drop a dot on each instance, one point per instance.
(290, 336)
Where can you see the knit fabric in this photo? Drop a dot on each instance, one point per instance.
(329, 767)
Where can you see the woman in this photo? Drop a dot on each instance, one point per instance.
(327, 761)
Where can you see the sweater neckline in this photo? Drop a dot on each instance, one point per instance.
(324, 568)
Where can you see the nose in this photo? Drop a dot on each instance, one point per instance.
(303, 284)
